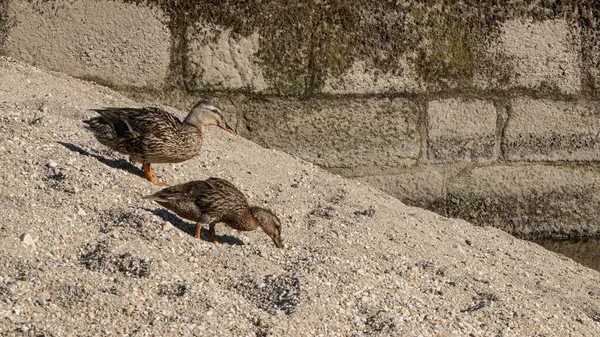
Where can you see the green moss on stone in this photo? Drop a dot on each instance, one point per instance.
(6, 22)
(449, 57)
(304, 42)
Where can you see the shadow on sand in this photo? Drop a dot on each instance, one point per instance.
(190, 229)
(120, 164)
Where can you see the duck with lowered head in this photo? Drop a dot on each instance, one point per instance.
(152, 135)
(217, 200)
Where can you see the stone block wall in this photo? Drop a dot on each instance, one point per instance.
(106, 41)
(484, 110)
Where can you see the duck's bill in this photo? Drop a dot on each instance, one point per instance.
(228, 128)
(278, 242)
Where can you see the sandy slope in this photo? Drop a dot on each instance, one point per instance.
(357, 262)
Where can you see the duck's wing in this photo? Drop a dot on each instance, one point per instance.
(221, 196)
(187, 192)
(142, 132)
(150, 120)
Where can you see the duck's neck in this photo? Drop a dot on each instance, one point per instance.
(192, 128)
(249, 222)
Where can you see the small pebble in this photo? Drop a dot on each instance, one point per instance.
(129, 310)
(52, 164)
(27, 240)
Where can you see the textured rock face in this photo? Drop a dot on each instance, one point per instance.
(219, 60)
(461, 131)
(561, 201)
(387, 92)
(362, 78)
(423, 187)
(550, 130)
(108, 41)
(536, 55)
(348, 134)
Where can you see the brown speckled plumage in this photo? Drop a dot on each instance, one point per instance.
(152, 135)
(216, 200)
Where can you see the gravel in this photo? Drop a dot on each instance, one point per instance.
(357, 262)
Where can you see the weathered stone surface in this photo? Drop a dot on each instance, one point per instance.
(530, 201)
(337, 134)
(461, 131)
(422, 187)
(584, 251)
(363, 79)
(536, 55)
(108, 41)
(547, 130)
(217, 60)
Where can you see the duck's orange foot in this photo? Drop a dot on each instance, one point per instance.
(150, 176)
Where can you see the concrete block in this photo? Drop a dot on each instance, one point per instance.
(364, 79)
(533, 55)
(534, 201)
(347, 133)
(461, 131)
(217, 60)
(547, 130)
(108, 41)
(422, 187)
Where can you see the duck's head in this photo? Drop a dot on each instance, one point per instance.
(206, 113)
(269, 223)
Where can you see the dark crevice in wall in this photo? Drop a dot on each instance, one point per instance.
(6, 22)
(179, 50)
(422, 120)
(501, 106)
(503, 124)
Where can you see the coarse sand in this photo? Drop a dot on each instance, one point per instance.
(82, 254)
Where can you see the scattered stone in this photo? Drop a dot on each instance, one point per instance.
(173, 291)
(52, 164)
(368, 212)
(273, 293)
(36, 120)
(167, 226)
(27, 240)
